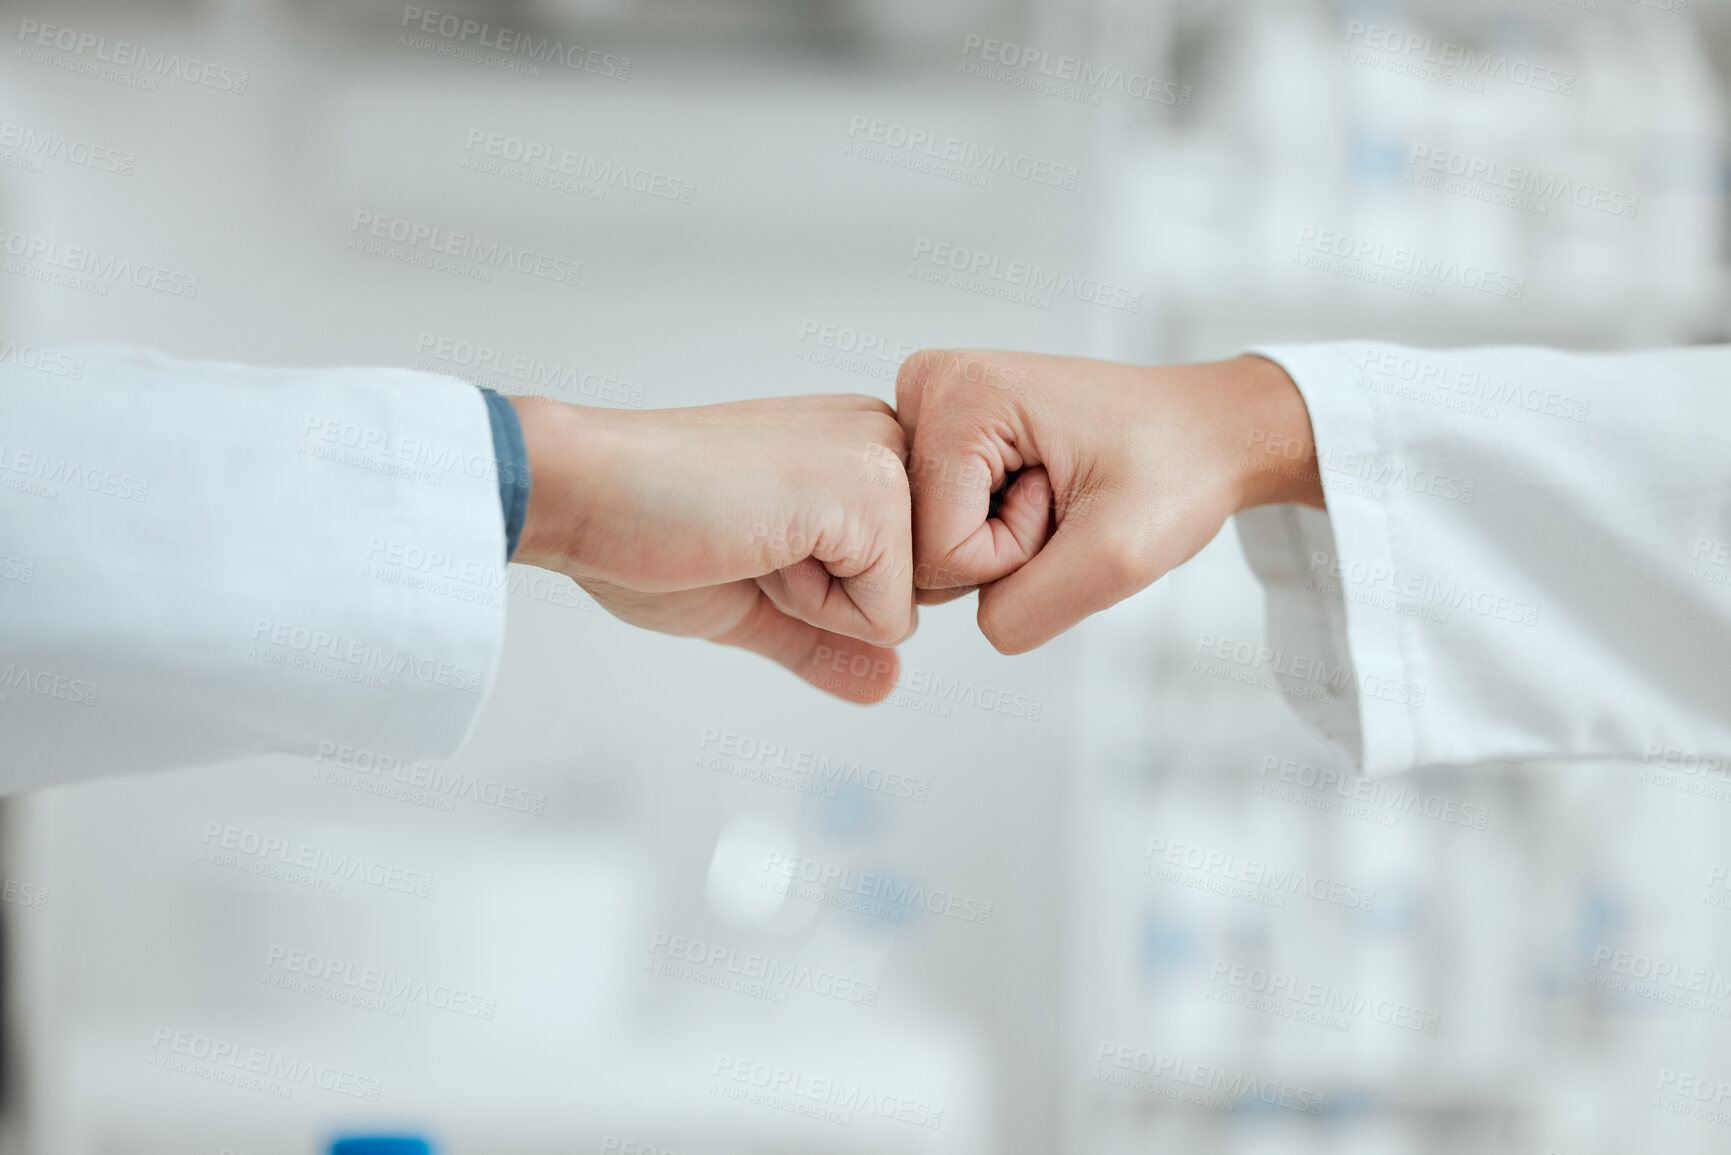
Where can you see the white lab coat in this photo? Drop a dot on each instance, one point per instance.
(200, 562)
(1525, 556)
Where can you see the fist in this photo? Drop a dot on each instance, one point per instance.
(1058, 486)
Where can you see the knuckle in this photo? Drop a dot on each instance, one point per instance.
(939, 575)
(886, 476)
(866, 403)
(973, 373)
(969, 368)
(886, 431)
(891, 631)
(911, 377)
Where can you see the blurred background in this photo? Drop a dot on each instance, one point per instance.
(577, 935)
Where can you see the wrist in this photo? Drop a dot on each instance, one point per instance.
(1275, 449)
(562, 443)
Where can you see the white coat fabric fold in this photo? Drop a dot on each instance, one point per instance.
(200, 562)
(1525, 556)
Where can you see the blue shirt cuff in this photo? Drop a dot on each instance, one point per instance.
(512, 458)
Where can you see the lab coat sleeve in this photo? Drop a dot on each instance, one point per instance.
(1525, 556)
(200, 562)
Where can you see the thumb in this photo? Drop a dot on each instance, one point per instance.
(852, 670)
(1094, 560)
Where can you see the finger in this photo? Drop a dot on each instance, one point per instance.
(911, 380)
(850, 669)
(926, 597)
(966, 438)
(874, 603)
(808, 591)
(883, 592)
(1082, 570)
(859, 580)
(1026, 510)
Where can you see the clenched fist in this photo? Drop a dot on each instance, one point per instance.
(1058, 486)
(780, 526)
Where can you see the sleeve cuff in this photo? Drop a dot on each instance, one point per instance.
(512, 457)
(1350, 671)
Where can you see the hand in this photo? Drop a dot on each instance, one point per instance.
(1115, 474)
(779, 526)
